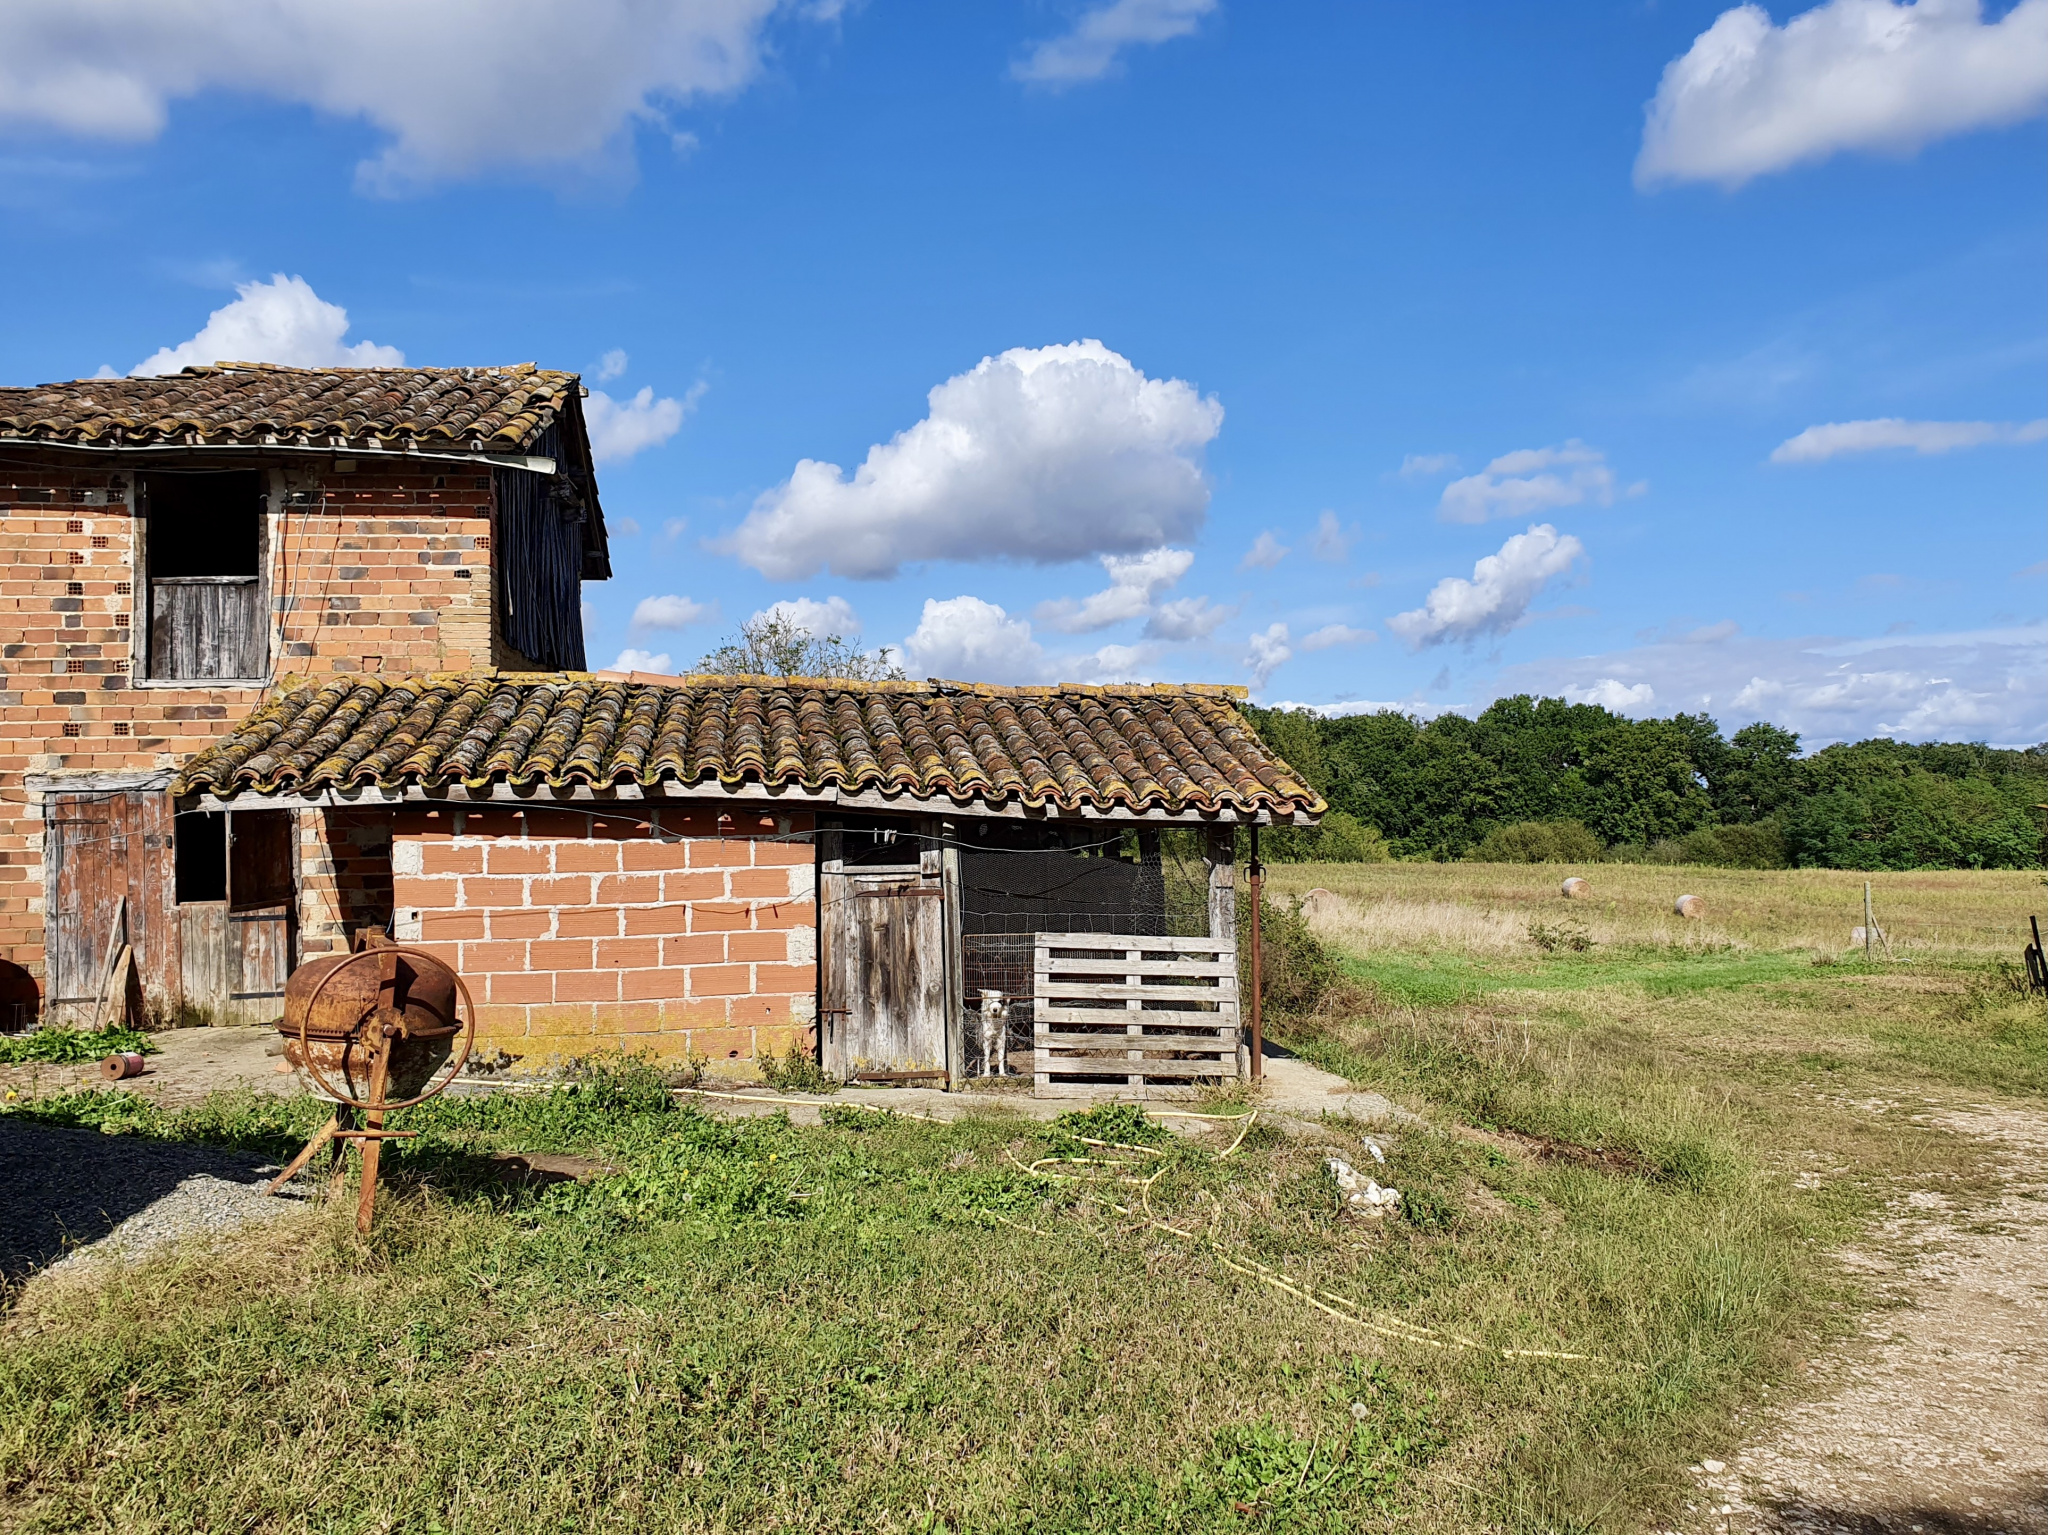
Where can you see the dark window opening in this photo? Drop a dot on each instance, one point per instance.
(202, 857)
(204, 524)
(203, 550)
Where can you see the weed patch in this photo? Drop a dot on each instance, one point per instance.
(69, 1047)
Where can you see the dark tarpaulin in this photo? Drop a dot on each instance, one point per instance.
(540, 560)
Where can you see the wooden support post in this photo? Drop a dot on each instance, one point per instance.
(1258, 873)
(956, 958)
(1221, 857)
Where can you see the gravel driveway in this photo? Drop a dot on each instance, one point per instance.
(64, 1189)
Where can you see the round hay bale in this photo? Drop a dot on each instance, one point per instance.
(1319, 894)
(1576, 889)
(1690, 906)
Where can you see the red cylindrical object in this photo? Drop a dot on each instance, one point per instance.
(121, 1065)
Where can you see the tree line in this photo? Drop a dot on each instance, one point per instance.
(1540, 779)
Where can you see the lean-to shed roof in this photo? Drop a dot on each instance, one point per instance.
(1066, 749)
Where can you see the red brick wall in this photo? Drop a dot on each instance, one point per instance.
(582, 933)
(344, 877)
(384, 571)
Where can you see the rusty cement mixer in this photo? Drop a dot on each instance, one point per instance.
(371, 1031)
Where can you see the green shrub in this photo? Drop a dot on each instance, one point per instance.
(1539, 842)
(1346, 839)
(1751, 845)
(1296, 972)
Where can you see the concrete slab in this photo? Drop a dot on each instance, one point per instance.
(191, 1064)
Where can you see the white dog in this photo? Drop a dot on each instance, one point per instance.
(995, 1034)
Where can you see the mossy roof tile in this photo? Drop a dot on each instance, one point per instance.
(1069, 748)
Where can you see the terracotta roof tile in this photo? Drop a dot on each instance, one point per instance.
(1136, 748)
(471, 410)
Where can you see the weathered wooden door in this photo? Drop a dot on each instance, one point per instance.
(106, 868)
(236, 913)
(883, 968)
(237, 930)
(260, 926)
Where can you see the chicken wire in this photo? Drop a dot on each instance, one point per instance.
(1008, 896)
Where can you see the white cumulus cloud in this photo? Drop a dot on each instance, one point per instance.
(1135, 583)
(282, 321)
(669, 613)
(1531, 481)
(457, 87)
(822, 620)
(1982, 685)
(1616, 696)
(1266, 651)
(1499, 593)
(1835, 438)
(1093, 46)
(1749, 98)
(612, 365)
(1042, 455)
(972, 640)
(1331, 635)
(1185, 619)
(644, 661)
(1266, 552)
(621, 428)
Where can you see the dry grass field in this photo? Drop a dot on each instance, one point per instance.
(1488, 906)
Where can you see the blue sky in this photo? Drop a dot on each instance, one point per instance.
(1363, 354)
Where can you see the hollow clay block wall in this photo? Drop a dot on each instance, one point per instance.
(691, 935)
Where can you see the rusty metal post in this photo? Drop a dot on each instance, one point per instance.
(1258, 874)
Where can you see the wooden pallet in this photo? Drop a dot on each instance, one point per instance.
(1115, 1016)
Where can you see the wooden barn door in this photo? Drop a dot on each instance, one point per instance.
(235, 913)
(259, 913)
(883, 936)
(107, 867)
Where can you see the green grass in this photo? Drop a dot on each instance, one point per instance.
(885, 1324)
(1444, 978)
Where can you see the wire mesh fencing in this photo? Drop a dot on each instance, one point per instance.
(1009, 897)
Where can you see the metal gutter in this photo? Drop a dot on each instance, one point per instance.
(531, 463)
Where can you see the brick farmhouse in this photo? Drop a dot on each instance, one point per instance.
(289, 654)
